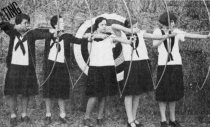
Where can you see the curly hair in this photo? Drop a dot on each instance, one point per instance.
(97, 21)
(54, 20)
(163, 19)
(19, 18)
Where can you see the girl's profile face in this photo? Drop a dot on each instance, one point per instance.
(102, 26)
(172, 23)
(135, 25)
(23, 26)
(61, 24)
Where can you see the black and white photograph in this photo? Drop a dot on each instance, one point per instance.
(104, 63)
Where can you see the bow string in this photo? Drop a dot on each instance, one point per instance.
(207, 75)
(91, 34)
(130, 64)
(169, 45)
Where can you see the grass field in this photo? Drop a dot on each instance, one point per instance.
(114, 114)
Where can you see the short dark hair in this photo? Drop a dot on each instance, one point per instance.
(97, 21)
(163, 19)
(54, 20)
(128, 23)
(19, 18)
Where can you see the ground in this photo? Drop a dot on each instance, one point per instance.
(114, 115)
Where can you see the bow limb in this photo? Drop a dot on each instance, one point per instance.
(57, 39)
(148, 64)
(169, 23)
(58, 17)
(91, 16)
(30, 52)
(130, 65)
(207, 75)
(88, 60)
(169, 45)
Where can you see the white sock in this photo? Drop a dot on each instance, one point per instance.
(136, 121)
(13, 115)
(63, 115)
(48, 114)
(23, 114)
(133, 125)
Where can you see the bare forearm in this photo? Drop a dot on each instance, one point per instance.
(156, 37)
(194, 36)
(157, 43)
(122, 40)
(122, 28)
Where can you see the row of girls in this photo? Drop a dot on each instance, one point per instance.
(21, 75)
(169, 88)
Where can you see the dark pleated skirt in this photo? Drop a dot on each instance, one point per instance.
(21, 80)
(171, 87)
(139, 80)
(58, 85)
(102, 81)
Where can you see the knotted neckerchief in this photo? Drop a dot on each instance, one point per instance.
(58, 46)
(168, 50)
(132, 50)
(172, 39)
(135, 44)
(20, 44)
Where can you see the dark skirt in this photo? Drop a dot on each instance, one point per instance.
(58, 85)
(171, 87)
(139, 80)
(21, 80)
(102, 82)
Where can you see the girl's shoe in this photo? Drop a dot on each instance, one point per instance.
(99, 122)
(87, 123)
(164, 124)
(138, 124)
(132, 124)
(13, 122)
(47, 120)
(63, 120)
(174, 124)
(25, 119)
